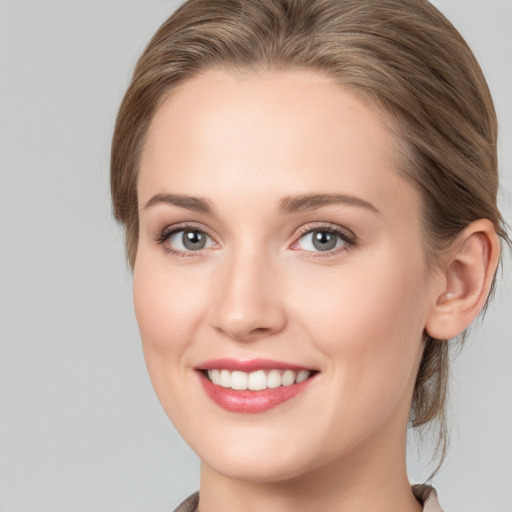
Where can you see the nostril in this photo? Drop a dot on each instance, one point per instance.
(261, 330)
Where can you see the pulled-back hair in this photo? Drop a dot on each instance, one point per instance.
(403, 56)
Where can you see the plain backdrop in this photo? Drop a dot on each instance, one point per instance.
(80, 427)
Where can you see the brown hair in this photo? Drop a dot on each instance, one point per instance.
(404, 56)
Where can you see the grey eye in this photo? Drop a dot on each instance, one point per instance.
(189, 240)
(324, 241)
(320, 240)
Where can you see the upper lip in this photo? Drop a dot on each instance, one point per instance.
(249, 365)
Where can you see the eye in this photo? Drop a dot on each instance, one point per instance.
(186, 240)
(324, 240)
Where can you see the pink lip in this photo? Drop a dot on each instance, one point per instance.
(249, 401)
(249, 365)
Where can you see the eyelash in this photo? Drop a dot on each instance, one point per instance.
(348, 238)
(164, 236)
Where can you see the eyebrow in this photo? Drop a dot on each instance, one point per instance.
(307, 202)
(197, 204)
(290, 204)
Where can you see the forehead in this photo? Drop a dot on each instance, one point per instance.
(287, 131)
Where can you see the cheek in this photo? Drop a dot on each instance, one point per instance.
(167, 307)
(166, 304)
(350, 302)
(368, 321)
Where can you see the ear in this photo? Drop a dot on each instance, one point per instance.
(466, 275)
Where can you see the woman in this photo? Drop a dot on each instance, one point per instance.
(308, 190)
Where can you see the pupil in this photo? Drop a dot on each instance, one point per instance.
(323, 240)
(193, 240)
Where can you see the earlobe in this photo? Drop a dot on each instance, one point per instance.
(469, 269)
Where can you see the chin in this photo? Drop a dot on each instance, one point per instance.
(271, 469)
(263, 458)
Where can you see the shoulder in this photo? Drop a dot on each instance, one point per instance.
(427, 495)
(424, 493)
(189, 505)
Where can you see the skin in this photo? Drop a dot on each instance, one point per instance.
(356, 314)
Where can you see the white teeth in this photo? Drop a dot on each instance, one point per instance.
(274, 379)
(225, 378)
(239, 380)
(302, 375)
(288, 378)
(257, 380)
(214, 376)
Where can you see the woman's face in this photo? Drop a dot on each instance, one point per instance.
(279, 243)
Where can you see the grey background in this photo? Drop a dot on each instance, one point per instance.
(80, 427)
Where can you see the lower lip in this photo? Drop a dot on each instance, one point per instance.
(250, 401)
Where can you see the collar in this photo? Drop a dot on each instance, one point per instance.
(425, 494)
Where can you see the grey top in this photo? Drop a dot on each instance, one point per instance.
(424, 493)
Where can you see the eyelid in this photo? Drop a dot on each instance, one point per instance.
(344, 233)
(163, 236)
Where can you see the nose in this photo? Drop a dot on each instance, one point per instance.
(248, 301)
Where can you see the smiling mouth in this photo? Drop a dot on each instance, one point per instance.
(257, 380)
(260, 388)
(255, 385)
